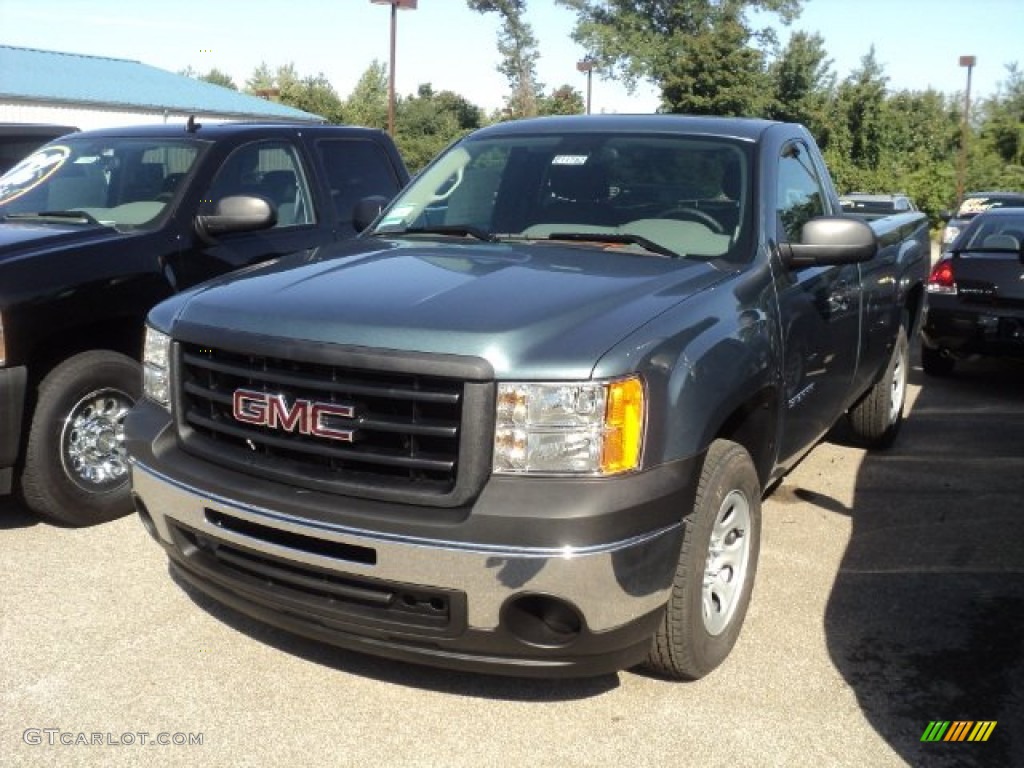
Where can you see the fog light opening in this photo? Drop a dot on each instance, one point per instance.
(542, 620)
(145, 517)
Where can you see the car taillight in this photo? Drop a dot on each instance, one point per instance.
(942, 279)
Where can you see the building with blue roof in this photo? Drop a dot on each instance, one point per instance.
(98, 92)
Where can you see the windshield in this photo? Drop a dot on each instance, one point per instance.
(669, 195)
(119, 182)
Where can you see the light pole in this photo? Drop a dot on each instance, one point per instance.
(586, 65)
(961, 174)
(395, 5)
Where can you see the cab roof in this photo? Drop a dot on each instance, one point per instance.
(749, 129)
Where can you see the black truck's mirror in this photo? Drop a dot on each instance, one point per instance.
(236, 213)
(366, 210)
(831, 240)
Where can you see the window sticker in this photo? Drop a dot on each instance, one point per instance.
(31, 172)
(396, 215)
(976, 205)
(569, 160)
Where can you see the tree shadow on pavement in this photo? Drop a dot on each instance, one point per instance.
(926, 617)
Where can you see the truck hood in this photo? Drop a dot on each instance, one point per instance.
(21, 238)
(538, 310)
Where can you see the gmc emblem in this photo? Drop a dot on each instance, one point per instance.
(304, 416)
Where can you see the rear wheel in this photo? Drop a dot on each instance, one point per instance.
(716, 568)
(76, 469)
(935, 363)
(877, 418)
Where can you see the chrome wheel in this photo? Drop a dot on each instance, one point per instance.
(898, 389)
(728, 558)
(92, 441)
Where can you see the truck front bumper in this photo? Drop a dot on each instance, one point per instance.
(557, 610)
(12, 406)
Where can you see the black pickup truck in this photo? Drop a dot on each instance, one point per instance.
(99, 226)
(524, 422)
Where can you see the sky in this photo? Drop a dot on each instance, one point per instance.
(443, 43)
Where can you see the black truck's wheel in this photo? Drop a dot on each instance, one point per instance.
(716, 568)
(935, 363)
(877, 418)
(76, 470)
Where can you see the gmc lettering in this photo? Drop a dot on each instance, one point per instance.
(305, 416)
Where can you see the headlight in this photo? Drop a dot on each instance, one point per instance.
(156, 367)
(586, 428)
(949, 234)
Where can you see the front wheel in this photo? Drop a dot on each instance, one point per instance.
(76, 469)
(715, 573)
(877, 418)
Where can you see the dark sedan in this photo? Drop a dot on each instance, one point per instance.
(976, 294)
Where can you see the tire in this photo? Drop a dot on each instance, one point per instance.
(76, 471)
(715, 573)
(935, 363)
(876, 419)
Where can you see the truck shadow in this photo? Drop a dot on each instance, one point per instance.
(14, 514)
(925, 620)
(402, 673)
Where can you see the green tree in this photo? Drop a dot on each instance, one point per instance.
(1002, 130)
(368, 103)
(313, 94)
(518, 48)
(214, 76)
(858, 121)
(703, 55)
(803, 83)
(261, 80)
(427, 122)
(720, 73)
(316, 95)
(217, 77)
(564, 100)
(921, 142)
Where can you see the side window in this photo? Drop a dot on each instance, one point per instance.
(799, 195)
(269, 169)
(355, 168)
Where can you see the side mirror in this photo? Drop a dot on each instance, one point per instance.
(945, 214)
(237, 213)
(366, 211)
(828, 240)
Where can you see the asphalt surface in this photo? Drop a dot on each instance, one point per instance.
(890, 594)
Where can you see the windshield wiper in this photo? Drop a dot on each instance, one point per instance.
(616, 237)
(458, 230)
(75, 215)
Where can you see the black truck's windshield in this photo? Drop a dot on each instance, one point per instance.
(679, 195)
(118, 182)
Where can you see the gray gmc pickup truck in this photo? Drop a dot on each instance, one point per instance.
(524, 423)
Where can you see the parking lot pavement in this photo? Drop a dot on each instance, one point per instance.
(890, 594)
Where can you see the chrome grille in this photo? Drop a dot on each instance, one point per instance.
(400, 431)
